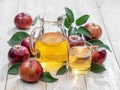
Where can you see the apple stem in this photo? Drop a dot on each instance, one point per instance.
(94, 25)
(17, 47)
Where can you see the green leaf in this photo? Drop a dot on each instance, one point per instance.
(105, 46)
(59, 18)
(96, 42)
(69, 15)
(99, 43)
(67, 23)
(17, 38)
(34, 20)
(82, 20)
(72, 30)
(62, 70)
(14, 69)
(46, 77)
(78, 34)
(97, 68)
(84, 31)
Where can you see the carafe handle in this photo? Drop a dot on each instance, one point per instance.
(34, 36)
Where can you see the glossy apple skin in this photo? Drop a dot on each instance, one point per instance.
(94, 29)
(30, 71)
(99, 56)
(18, 53)
(23, 21)
(26, 42)
(75, 40)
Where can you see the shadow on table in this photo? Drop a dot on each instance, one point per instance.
(3, 72)
(14, 30)
(19, 84)
(68, 82)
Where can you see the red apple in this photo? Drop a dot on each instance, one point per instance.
(30, 71)
(18, 53)
(99, 56)
(94, 29)
(75, 40)
(23, 21)
(26, 42)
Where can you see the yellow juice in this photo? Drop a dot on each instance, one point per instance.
(53, 49)
(79, 59)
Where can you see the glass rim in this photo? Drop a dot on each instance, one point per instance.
(84, 41)
(43, 14)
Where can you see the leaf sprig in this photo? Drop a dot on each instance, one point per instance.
(99, 43)
(77, 28)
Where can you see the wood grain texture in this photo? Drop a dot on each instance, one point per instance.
(15, 83)
(110, 13)
(68, 82)
(105, 13)
(7, 9)
(3, 77)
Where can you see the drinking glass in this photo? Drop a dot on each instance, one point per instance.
(80, 58)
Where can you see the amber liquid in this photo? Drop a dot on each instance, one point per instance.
(53, 48)
(79, 60)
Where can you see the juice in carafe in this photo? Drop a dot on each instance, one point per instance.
(53, 48)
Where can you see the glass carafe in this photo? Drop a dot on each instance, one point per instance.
(48, 42)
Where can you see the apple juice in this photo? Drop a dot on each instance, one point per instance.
(79, 59)
(53, 48)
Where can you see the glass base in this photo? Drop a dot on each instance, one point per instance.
(79, 71)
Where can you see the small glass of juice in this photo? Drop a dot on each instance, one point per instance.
(79, 61)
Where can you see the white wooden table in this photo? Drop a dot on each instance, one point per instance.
(106, 13)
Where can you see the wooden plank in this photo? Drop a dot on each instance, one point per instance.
(68, 82)
(7, 9)
(3, 76)
(15, 83)
(109, 10)
(34, 8)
